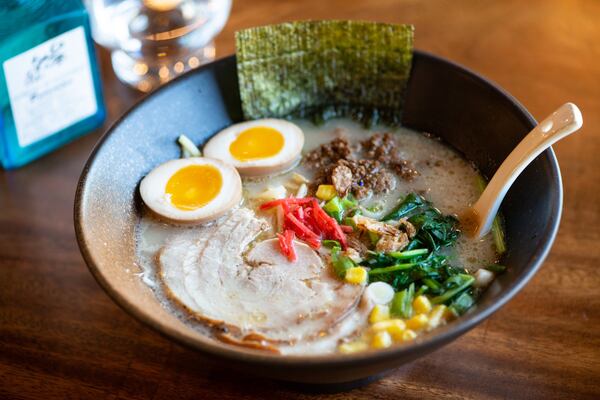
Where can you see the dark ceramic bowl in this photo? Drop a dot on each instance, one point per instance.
(469, 112)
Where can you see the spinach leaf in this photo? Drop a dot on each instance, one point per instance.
(435, 230)
(454, 285)
(410, 203)
(462, 303)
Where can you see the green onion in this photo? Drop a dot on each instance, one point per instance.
(397, 267)
(340, 262)
(349, 202)
(337, 207)
(334, 208)
(402, 302)
(188, 148)
(402, 255)
(330, 243)
(464, 282)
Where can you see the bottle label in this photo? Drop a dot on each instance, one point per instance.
(50, 86)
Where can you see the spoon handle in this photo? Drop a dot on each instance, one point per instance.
(564, 121)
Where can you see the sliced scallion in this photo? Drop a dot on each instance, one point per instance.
(188, 148)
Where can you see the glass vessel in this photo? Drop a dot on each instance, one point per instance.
(50, 90)
(152, 41)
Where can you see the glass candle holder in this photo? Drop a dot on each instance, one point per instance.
(153, 41)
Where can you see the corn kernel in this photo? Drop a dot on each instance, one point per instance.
(436, 316)
(388, 324)
(381, 340)
(395, 327)
(353, 347)
(409, 335)
(421, 305)
(379, 313)
(326, 192)
(417, 322)
(356, 275)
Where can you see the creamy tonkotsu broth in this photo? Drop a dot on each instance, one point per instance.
(190, 266)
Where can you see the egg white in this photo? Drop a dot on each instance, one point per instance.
(288, 156)
(153, 191)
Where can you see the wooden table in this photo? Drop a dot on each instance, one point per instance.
(62, 337)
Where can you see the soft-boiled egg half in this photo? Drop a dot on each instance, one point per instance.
(192, 190)
(260, 147)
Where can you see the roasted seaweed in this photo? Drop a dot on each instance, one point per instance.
(325, 69)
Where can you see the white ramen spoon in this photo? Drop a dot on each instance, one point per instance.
(477, 220)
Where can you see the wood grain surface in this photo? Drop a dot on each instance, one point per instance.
(62, 337)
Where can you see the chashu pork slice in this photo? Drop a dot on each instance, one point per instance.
(256, 293)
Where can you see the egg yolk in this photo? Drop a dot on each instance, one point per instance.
(194, 186)
(256, 143)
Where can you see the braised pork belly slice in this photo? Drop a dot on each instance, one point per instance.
(254, 296)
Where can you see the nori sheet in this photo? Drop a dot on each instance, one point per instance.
(325, 69)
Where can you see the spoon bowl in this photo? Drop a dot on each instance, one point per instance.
(477, 220)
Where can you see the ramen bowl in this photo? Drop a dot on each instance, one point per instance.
(467, 111)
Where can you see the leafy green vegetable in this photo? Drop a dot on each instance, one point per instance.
(377, 259)
(410, 203)
(462, 303)
(393, 268)
(402, 303)
(403, 255)
(435, 230)
(423, 289)
(340, 262)
(497, 230)
(325, 69)
(401, 275)
(496, 268)
(454, 285)
(434, 286)
(498, 234)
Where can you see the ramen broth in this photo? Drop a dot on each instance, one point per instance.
(444, 178)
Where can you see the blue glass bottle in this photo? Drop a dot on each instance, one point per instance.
(50, 91)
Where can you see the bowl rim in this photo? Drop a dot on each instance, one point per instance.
(232, 353)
